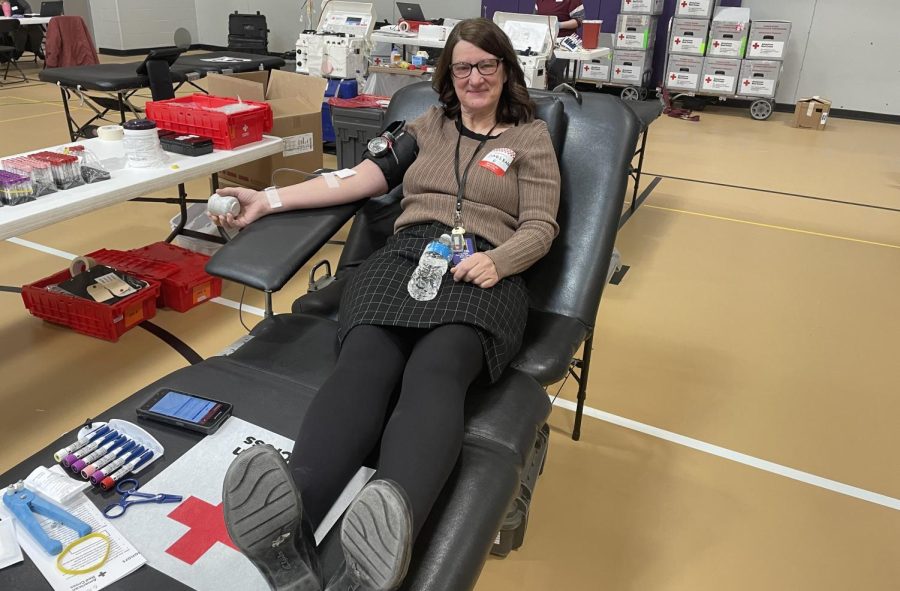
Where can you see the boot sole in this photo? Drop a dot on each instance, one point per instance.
(376, 536)
(262, 512)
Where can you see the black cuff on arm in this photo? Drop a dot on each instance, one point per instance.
(396, 161)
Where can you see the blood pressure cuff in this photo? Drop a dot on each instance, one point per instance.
(397, 159)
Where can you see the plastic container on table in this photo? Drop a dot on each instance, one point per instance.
(39, 171)
(15, 189)
(229, 122)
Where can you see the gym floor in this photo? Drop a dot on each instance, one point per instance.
(741, 431)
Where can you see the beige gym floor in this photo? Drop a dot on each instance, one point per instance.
(743, 424)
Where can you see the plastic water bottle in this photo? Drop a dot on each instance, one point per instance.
(426, 279)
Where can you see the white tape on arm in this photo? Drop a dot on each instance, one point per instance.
(273, 197)
(331, 180)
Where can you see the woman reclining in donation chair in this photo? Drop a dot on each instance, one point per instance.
(486, 174)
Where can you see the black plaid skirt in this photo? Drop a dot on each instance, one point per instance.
(377, 294)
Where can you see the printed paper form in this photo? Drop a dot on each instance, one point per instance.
(123, 560)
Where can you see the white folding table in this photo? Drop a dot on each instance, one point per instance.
(127, 183)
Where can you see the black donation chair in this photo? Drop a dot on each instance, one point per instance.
(272, 378)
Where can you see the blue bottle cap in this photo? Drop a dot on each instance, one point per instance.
(441, 249)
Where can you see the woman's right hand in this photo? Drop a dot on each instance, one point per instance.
(254, 205)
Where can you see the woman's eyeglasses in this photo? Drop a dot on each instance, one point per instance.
(485, 68)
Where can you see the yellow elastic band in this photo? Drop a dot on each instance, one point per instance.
(69, 548)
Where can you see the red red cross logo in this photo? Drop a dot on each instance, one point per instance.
(708, 79)
(756, 46)
(587, 68)
(207, 526)
(377, 61)
(673, 76)
(684, 4)
(627, 1)
(746, 83)
(715, 44)
(677, 40)
(618, 71)
(621, 36)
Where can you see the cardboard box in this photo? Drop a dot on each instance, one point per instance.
(768, 40)
(654, 7)
(728, 32)
(598, 70)
(630, 66)
(635, 31)
(296, 102)
(695, 8)
(720, 76)
(689, 36)
(683, 72)
(812, 112)
(759, 78)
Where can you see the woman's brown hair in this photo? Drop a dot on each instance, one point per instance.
(515, 105)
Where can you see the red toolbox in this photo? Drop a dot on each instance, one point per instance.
(104, 321)
(208, 116)
(190, 284)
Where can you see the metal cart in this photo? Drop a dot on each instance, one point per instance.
(760, 108)
(629, 92)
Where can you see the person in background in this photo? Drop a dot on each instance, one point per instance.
(19, 7)
(569, 16)
(28, 38)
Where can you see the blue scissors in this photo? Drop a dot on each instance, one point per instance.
(129, 488)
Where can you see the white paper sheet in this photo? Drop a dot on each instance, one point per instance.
(123, 560)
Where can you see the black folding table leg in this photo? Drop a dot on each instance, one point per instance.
(582, 386)
(182, 206)
(640, 167)
(72, 127)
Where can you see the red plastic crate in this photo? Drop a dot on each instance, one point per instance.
(190, 285)
(191, 114)
(95, 319)
(138, 266)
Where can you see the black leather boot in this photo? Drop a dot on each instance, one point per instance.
(376, 536)
(264, 517)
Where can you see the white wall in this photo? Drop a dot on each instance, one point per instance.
(136, 24)
(212, 19)
(107, 33)
(844, 50)
(432, 9)
(131, 24)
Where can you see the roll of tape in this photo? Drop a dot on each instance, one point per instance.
(404, 26)
(111, 132)
(80, 265)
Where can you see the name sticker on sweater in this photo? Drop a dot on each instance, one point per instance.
(498, 161)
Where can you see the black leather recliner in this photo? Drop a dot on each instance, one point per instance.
(272, 378)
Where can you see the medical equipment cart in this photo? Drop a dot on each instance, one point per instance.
(743, 79)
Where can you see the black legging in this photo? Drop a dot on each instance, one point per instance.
(423, 437)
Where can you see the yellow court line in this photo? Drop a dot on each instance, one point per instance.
(22, 98)
(40, 115)
(772, 226)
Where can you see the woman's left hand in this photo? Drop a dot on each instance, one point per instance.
(478, 269)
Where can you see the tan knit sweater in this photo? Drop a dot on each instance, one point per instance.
(516, 211)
